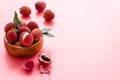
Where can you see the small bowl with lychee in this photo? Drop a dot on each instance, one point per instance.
(24, 40)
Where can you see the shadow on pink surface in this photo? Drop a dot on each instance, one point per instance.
(25, 18)
(49, 24)
(38, 14)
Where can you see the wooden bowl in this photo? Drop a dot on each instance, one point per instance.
(19, 51)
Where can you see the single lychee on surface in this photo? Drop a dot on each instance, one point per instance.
(24, 29)
(9, 26)
(40, 6)
(25, 11)
(44, 59)
(48, 15)
(32, 25)
(36, 34)
(29, 65)
(26, 39)
(11, 36)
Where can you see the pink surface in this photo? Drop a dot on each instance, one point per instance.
(86, 45)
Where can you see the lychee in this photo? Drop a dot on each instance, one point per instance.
(23, 29)
(26, 39)
(29, 65)
(32, 25)
(18, 43)
(48, 15)
(8, 26)
(25, 11)
(36, 34)
(23, 23)
(44, 59)
(11, 36)
(40, 6)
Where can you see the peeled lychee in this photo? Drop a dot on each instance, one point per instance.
(36, 34)
(44, 59)
(25, 11)
(23, 29)
(11, 36)
(9, 26)
(32, 25)
(40, 6)
(48, 15)
(26, 39)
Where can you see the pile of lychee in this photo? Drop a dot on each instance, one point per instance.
(40, 6)
(25, 35)
(20, 33)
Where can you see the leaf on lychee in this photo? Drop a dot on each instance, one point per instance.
(16, 20)
(45, 30)
(48, 34)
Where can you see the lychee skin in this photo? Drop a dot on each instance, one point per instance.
(11, 36)
(24, 29)
(29, 65)
(32, 25)
(9, 26)
(26, 39)
(36, 34)
(48, 15)
(25, 11)
(18, 43)
(23, 23)
(40, 6)
(44, 59)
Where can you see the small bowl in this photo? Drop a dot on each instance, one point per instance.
(19, 51)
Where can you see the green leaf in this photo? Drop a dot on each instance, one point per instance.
(16, 20)
(45, 30)
(48, 34)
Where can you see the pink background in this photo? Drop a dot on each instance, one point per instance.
(86, 45)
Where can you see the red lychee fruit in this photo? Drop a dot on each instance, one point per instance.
(29, 65)
(44, 59)
(26, 39)
(11, 36)
(48, 15)
(18, 43)
(36, 34)
(23, 23)
(32, 25)
(8, 26)
(40, 6)
(25, 11)
(24, 29)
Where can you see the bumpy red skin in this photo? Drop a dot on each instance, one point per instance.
(28, 40)
(29, 65)
(40, 6)
(25, 11)
(18, 43)
(11, 36)
(36, 34)
(32, 25)
(48, 15)
(8, 26)
(24, 29)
